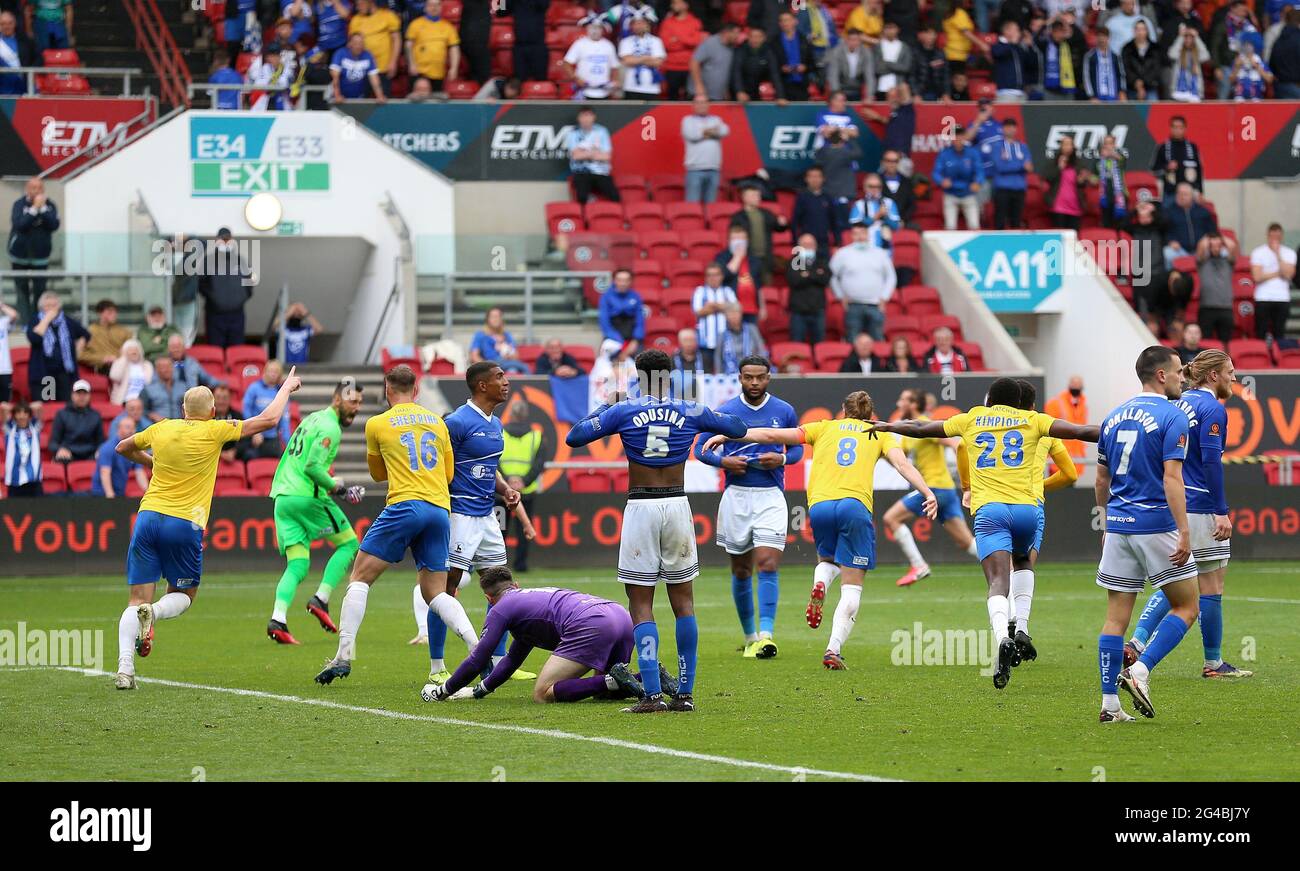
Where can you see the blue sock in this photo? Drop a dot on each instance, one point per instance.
(688, 640)
(1170, 631)
(437, 632)
(742, 590)
(1110, 658)
(1156, 609)
(769, 590)
(646, 637)
(505, 637)
(1212, 627)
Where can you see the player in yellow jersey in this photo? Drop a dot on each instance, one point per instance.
(1004, 441)
(840, 495)
(409, 447)
(167, 539)
(928, 457)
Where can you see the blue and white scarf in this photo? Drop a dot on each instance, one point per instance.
(730, 357)
(1188, 81)
(58, 331)
(1107, 83)
(1052, 76)
(22, 454)
(1111, 176)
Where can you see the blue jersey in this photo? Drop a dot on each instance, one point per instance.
(1136, 440)
(1207, 421)
(771, 412)
(655, 432)
(476, 443)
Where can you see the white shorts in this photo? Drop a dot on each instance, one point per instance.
(658, 542)
(750, 517)
(476, 542)
(1129, 562)
(1209, 554)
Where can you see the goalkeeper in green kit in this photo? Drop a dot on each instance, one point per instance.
(304, 510)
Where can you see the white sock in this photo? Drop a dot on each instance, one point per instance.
(764, 635)
(973, 548)
(350, 617)
(450, 611)
(825, 574)
(999, 607)
(171, 605)
(1140, 671)
(437, 665)
(846, 614)
(1110, 702)
(421, 609)
(1022, 593)
(751, 637)
(323, 593)
(610, 683)
(903, 535)
(280, 614)
(128, 629)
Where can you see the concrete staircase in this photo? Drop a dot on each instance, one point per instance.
(105, 37)
(318, 382)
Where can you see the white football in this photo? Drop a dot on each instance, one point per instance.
(427, 692)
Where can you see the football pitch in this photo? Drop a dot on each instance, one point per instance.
(219, 701)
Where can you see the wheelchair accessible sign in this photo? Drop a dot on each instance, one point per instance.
(241, 155)
(1011, 272)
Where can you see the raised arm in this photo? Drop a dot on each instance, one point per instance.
(917, 429)
(1062, 429)
(270, 416)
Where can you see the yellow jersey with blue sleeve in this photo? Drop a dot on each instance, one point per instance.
(416, 449)
(844, 459)
(930, 460)
(186, 454)
(1002, 443)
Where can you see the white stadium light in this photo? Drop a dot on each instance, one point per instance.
(263, 211)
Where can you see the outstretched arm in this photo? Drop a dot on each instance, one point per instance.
(899, 461)
(479, 657)
(587, 430)
(761, 435)
(917, 429)
(1062, 429)
(270, 416)
(508, 665)
(704, 455)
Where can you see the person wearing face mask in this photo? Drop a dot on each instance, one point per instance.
(1070, 404)
(226, 288)
(299, 327)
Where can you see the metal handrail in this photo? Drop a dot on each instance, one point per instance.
(83, 277)
(528, 278)
(301, 105)
(154, 38)
(281, 306)
(32, 72)
(132, 137)
(151, 109)
(383, 314)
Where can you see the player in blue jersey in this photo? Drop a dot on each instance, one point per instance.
(1140, 487)
(1211, 376)
(658, 539)
(476, 540)
(752, 516)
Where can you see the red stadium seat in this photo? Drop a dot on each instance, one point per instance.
(720, 214)
(684, 216)
(585, 355)
(60, 57)
(736, 12)
(920, 299)
(565, 13)
(210, 357)
(1251, 354)
(232, 471)
(588, 480)
(539, 91)
(766, 92)
(80, 475)
(830, 355)
(394, 362)
(528, 354)
(441, 367)
(664, 246)
(644, 217)
(648, 275)
(930, 323)
(660, 328)
(974, 355)
(461, 89)
(686, 273)
(1289, 358)
(62, 85)
(702, 245)
(904, 326)
(632, 188)
(783, 352)
(604, 217)
(228, 488)
(667, 188)
(502, 35)
(240, 357)
(564, 217)
(52, 482)
(261, 467)
(452, 9)
(618, 479)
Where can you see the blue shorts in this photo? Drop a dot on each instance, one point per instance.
(843, 531)
(1042, 523)
(421, 526)
(163, 546)
(948, 499)
(999, 526)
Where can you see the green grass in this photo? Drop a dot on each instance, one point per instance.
(879, 719)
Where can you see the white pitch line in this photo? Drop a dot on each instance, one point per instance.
(501, 727)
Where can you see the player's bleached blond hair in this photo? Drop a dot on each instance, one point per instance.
(198, 403)
(1203, 364)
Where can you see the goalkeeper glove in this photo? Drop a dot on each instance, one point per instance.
(353, 494)
(480, 691)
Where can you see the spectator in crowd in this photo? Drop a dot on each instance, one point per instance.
(222, 409)
(495, 343)
(703, 132)
(900, 124)
(760, 224)
(529, 51)
(816, 24)
(316, 74)
(112, 469)
(1188, 221)
(754, 62)
(807, 276)
(1008, 161)
(1190, 345)
(709, 302)
(16, 50)
(355, 72)
(836, 116)
(1272, 267)
(1225, 41)
(622, 16)
(868, 19)
(184, 291)
(898, 187)
(1284, 57)
(51, 23)
(622, 313)
(877, 211)
(1143, 64)
(860, 360)
(742, 271)
(740, 340)
(959, 173)
(422, 90)
(1177, 160)
(642, 55)
(270, 70)
(222, 73)
(591, 155)
(57, 339)
(133, 410)
(1215, 258)
(983, 128)
(591, 61)
(944, 357)
(690, 357)
(863, 276)
(226, 287)
(795, 55)
(1066, 181)
(681, 33)
(838, 158)
(1121, 23)
(958, 87)
(78, 429)
(892, 59)
(1072, 405)
(433, 46)
(849, 67)
(907, 15)
(815, 213)
(495, 88)
(154, 334)
(557, 362)
(1186, 57)
(1103, 74)
(987, 12)
(1110, 179)
(257, 397)
(332, 24)
(959, 35)
(764, 15)
(1250, 75)
(475, 32)
(187, 370)
(299, 326)
(930, 75)
(129, 373)
(1182, 16)
(381, 33)
(106, 338)
(1062, 63)
(711, 67)
(163, 396)
(8, 318)
(900, 357)
(22, 456)
(1147, 228)
(525, 452)
(300, 14)
(32, 223)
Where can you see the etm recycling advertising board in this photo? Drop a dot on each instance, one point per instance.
(234, 155)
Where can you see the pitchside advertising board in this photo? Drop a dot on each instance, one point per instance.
(234, 155)
(526, 141)
(38, 132)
